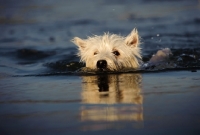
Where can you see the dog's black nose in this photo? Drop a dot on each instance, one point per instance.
(101, 64)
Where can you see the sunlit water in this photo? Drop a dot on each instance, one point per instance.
(43, 92)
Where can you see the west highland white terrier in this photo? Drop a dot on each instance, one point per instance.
(111, 52)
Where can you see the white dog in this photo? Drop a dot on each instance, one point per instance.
(110, 52)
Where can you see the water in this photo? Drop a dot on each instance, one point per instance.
(35, 36)
(154, 103)
(41, 94)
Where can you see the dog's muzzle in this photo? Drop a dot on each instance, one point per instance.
(101, 64)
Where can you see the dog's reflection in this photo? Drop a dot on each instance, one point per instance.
(102, 82)
(112, 98)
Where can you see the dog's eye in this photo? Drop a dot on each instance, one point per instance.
(116, 53)
(95, 53)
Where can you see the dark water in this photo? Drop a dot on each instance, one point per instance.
(35, 36)
(41, 94)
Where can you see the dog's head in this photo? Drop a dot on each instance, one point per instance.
(110, 51)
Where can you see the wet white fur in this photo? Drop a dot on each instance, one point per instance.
(102, 47)
(161, 56)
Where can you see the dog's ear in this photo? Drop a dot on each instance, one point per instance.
(79, 42)
(133, 38)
